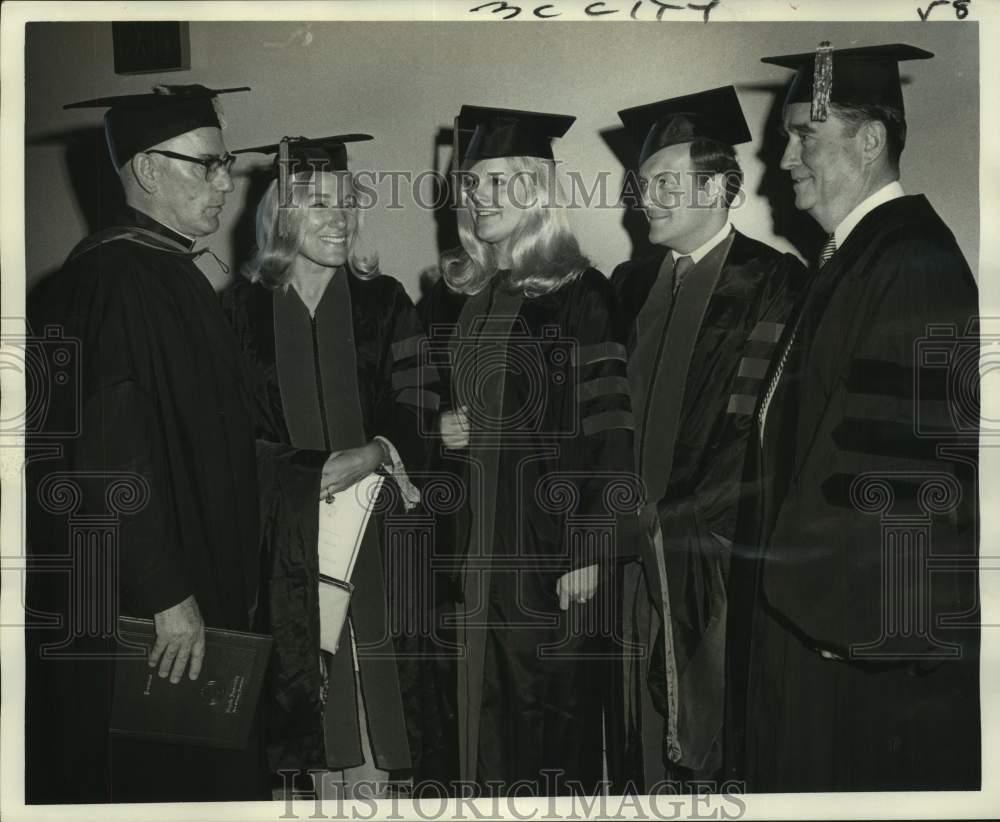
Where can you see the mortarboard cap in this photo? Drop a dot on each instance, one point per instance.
(715, 114)
(136, 122)
(867, 75)
(487, 133)
(294, 155)
(306, 154)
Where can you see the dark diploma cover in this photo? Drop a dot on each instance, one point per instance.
(216, 710)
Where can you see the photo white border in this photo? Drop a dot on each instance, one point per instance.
(916, 805)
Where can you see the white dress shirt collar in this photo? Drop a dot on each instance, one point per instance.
(708, 245)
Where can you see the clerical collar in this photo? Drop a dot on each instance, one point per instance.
(708, 245)
(888, 192)
(142, 220)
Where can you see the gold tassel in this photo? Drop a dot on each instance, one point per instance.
(822, 82)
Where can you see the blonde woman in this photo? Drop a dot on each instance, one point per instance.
(538, 423)
(333, 345)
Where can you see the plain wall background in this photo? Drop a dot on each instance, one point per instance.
(404, 82)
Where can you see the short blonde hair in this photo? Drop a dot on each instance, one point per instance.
(545, 254)
(272, 258)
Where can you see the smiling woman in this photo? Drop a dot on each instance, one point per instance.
(539, 431)
(330, 221)
(321, 236)
(333, 345)
(513, 222)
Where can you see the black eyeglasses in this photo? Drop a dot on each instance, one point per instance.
(213, 165)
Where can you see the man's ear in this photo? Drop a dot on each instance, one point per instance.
(145, 172)
(715, 189)
(874, 139)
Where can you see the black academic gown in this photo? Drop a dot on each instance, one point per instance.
(391, 397)
(548, 464)
(144, 462)
(863, 658)
(696, 376)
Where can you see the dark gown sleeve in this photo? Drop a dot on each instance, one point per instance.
(601, 453)
(885, 444)
(248, 309)
(439, 313)
(128, 439)
(617, 279)
(445, 502)
(407, 399)
(121, 434)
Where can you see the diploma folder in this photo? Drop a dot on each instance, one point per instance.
(342, 524)
(216, 710)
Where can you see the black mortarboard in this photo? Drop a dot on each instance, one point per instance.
(860, 76)
(305, 154)
(707, 115)
(135, 122)
(487, 133)
(298, 155)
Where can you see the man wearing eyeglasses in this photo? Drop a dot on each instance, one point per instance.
(165, 410)
(183, 184)
(173, 165)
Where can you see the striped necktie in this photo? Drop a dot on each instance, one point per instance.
(682, 265)
(826, 252)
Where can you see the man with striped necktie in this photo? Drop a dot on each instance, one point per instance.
(705, 312)
(851, 666)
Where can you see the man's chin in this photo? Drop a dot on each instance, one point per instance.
(804, 200)
(209, 225)
(657, 236)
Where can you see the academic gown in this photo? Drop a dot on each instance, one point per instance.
(144, 458)
(696, 363)
(332, 383)
(548, 465)
(860, 671)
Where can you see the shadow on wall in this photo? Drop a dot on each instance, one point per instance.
(787, 222)
(633, 217)
(93, 179)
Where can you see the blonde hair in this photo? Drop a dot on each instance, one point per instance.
(272, 259)
(545, 254)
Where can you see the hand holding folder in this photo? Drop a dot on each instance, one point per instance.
(216, 710)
